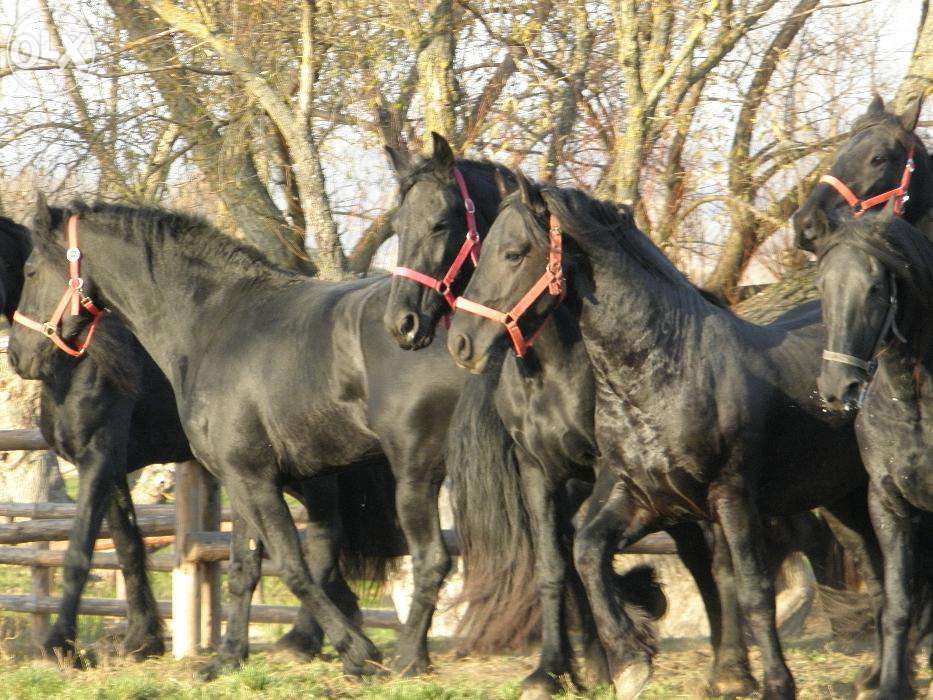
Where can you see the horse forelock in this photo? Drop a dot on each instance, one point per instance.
(900, 247)
(425, 168)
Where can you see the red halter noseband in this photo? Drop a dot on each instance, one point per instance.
(860, 206)
(72, 297)
(470, 248)
(551, 281)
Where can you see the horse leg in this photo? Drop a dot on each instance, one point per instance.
(416, 497)
(245, 571)
(144, 626)
(741, 527)
(850, 524)
(711, 569)
(98, 473)
(554, 659)
(321, 499)
(610, 515)
(261, 502)
(892, 524)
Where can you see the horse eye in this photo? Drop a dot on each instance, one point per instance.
(514, 256)
(878, 159)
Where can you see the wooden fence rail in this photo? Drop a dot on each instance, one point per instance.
(201, 554)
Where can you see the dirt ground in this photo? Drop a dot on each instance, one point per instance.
(823, 671)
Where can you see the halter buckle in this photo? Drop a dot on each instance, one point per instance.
(73, 254)
(48, 329)
(470, 207)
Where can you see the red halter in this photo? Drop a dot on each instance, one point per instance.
(470, 248)
(898, 194)
(72, 297)
(551, 281)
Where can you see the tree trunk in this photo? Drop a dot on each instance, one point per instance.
(437, 83)
(919, 78)
(229, 171)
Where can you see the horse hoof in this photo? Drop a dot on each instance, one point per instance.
(142, 649)
(878, 694)
(736, 684)
(780, 691)
(411, 668)
(632, 680)
(217, 667)
(299, 645)
(540, 685)
(361, 657)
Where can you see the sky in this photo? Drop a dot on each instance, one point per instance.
(358, 174)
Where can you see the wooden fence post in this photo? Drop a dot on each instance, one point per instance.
(41, 588)
(210, 571)
(195, 585)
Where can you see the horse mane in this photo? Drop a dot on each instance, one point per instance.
(584, 216)
(15, 246)
(199, 238)
(903, 250)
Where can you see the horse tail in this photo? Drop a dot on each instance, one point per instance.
(492, 525)
(371, 536)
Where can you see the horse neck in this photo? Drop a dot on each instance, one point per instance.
(149, 287)
(641, 317)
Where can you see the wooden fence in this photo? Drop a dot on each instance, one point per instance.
(201, 551)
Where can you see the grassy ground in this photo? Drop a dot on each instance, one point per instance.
(822, 668)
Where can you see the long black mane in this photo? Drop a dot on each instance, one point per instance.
(611, 224)
(200, 239)
(15, 246)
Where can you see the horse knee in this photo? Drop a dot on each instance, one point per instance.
(587, 556)
(241, 579)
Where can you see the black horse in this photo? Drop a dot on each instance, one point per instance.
(699, 414)
(276, 377)
(555, 465)
(112, 412)
(871, 163)
(503, 565)
(876, 278)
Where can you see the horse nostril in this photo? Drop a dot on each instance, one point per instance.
(408, 324)
(463, 348)
(851, 396)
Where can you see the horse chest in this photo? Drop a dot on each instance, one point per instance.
(894, 438)
(638, 446)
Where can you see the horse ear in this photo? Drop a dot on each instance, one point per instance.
(399, 158)
(42, 215)
(526, 190)
(911, 115)
(443, 154)
(505, 188)
(876, 106)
